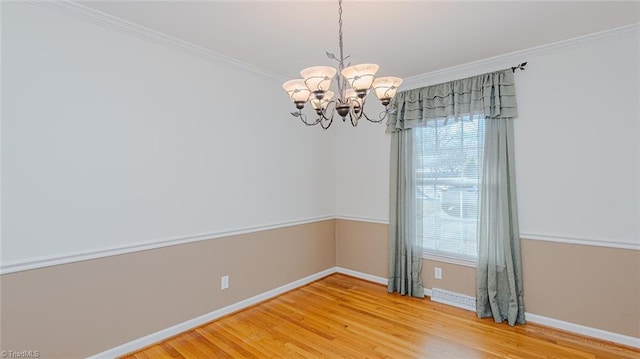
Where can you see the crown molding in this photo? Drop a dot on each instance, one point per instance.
(507, 60)
(99, 18)
(96, 17)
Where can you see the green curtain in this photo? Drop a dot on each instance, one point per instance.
(499, 271)
(405, 246)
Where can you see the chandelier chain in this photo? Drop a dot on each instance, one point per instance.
(341, 46)
(340, 29)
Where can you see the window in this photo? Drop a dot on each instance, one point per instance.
(448, 163)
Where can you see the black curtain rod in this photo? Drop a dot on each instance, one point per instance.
(521, 67)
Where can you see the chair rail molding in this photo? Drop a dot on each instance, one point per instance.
(47, 261)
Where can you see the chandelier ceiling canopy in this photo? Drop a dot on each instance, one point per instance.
(353, 85)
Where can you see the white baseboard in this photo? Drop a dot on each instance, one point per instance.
(196, 322)
(361, 275)
(190, 324)
(533, 318)
(371, 278)
(583, 330)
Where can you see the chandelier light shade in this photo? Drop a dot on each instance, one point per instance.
(360, 77)
(297, 90)
(353, 85)
(321, 104)
(386, 88)
(318, 78)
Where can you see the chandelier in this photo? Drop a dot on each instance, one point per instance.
(314, 87)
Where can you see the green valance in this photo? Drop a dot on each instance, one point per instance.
(492, 95)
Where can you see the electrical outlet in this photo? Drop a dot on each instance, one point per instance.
(438, 273)
(224, 282)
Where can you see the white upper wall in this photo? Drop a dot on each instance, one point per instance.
(362, 168)
(109, 141)
(577, 145)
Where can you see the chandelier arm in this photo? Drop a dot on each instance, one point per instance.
(330, 121)
(333, 111)
(362, 114)
(380, 116)
(325, 118)
(353, 118)
(303, 118)
(311, 123)
(356, 115)
(383, 114)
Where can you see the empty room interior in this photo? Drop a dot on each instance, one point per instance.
(359, 179)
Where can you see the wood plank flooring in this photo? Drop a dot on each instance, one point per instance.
(344, 317)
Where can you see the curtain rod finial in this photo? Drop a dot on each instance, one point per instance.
(521, 67)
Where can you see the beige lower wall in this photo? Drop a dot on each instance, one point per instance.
(592, 286)
(362, 246)
(79, 309)
(83, 308)
(456, 278)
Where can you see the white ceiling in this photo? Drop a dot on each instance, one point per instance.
(405, 38)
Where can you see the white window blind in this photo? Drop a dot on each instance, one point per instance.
(448, 163)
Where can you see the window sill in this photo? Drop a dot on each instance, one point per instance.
(450, 258)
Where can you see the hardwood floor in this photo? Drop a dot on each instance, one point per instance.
(344, 317)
